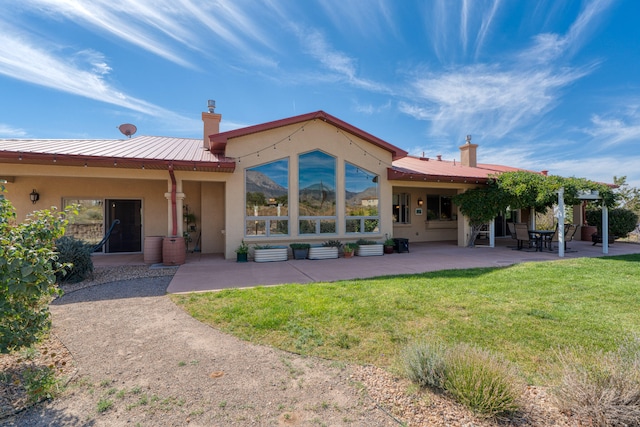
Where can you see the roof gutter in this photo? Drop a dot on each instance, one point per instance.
(174, 208)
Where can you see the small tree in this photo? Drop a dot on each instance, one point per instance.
(28, 269)
(480, 205)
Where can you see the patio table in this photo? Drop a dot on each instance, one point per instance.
(541, 236)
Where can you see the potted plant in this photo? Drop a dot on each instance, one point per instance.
(389, 244)
(300, 250)
(267, 253)
(369, 248)
(349, 249)
(242, 252)
(327, 250)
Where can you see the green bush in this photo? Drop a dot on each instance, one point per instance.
(28, 270)
(482, 381)
(603, 390)
(478, 379)
(424, 364)
(77, 254)
(621, 221)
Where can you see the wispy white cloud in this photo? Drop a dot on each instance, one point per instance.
(487, 20)
(342, 65)
(613, 130)
(28, 61)
(600, 169)
(486, 97)
(550, 46)
(7, 131)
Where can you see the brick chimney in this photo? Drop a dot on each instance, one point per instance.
(468, 156)
(211, 122)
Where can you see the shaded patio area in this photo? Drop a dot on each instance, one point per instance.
(212, 272)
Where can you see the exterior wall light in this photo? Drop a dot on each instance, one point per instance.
(420, 201)
(34, 196)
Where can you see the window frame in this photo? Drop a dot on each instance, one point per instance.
(267, 219)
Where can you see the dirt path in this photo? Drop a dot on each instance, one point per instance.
(140, 360)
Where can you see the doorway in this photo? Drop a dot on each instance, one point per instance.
(127, 235)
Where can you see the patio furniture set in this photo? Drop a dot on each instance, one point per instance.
(539, 239)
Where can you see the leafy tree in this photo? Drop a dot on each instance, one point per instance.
(28, 267)
(629, 197)
(481, 205)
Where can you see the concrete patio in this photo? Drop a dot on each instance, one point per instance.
(212, 272)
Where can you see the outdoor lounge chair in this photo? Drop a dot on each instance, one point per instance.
(523, 236)
(569, 232)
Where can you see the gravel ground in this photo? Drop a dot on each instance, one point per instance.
(135, 359)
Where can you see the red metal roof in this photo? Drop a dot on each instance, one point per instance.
(152, 152)
(432, 170)
(219, 140)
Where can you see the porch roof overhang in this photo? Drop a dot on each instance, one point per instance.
(394, 174)
(218, 142)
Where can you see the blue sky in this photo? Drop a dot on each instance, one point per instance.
(540, 85)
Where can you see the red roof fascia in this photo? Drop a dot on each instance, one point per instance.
(396, 175)
(219, 140)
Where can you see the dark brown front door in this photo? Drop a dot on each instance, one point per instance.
(126, 236)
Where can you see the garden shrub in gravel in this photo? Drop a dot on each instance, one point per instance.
(603, 390)
(424, 364)
(478, 379)
(77, 253)
(482, 381)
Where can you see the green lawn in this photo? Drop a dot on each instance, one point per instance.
(525, 312)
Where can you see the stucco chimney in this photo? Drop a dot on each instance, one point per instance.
(211, 122)
(468, 155)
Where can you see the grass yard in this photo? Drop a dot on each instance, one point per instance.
(524, 312)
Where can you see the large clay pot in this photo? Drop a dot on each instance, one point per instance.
(174, 251)
(586, 231)
(152, 249)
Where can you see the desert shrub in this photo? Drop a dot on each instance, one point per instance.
(482, 381)
(478, 379)
(77, 254)
(424, 363)
(602, 390)
(621, 221)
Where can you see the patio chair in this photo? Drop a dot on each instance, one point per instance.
(523, 236)
(569, 232)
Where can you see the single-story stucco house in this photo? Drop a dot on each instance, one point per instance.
(308, 178)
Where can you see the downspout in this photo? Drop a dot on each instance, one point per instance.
(174, 209)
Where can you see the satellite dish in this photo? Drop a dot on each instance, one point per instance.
(127, 129)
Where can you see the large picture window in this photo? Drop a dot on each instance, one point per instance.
(362, 198)
(317, 193)
(267, 199)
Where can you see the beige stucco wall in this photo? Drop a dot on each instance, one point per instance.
(421, 230)
(317, 135)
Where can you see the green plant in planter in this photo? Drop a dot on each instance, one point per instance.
(295, 246)
(243, 248)
(350, 248)
(332, 244)
(242, 252)
(300, 250)
(364, 242)
(389, 241)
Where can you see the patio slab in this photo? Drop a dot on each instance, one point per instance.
(212, 272)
